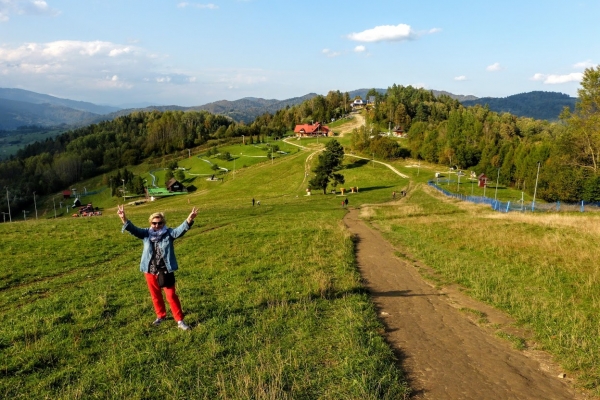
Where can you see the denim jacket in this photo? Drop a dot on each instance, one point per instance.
(166, 243)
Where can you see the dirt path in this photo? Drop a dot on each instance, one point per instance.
(446, 354)
(357, 121)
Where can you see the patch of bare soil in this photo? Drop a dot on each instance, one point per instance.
(439, 337)
(357, 121)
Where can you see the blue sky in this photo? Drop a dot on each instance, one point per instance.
(194, 52)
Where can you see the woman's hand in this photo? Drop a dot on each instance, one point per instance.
(121, 213)
(192, 215)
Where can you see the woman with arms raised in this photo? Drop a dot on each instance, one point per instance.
(158, 260)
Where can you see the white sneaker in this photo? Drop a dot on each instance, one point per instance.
(158, 321)
(183, 325)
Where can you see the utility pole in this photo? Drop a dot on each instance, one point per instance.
(8, 201)
(35, 205)
(497, 179)
(535, 190)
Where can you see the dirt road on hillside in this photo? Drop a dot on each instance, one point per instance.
(357, 121)
(444, 352)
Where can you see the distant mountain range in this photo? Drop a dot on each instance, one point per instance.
(24, 108)
(242, 110)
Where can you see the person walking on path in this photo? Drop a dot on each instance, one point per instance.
(346, 202)
(253, 202)
(158, 260)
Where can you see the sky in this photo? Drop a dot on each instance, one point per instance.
(173, 52)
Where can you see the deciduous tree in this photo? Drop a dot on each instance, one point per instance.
(330, 161)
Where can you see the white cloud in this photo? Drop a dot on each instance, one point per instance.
(538, 77)
(584, 64)
(460, 78)
(119, 51)
(494, 67)
(108, 72)
(25, 7)
(237, 79)
(208, 6)
(330, 53)
(552, 79)
(384, 33)
(82, 67)
(360, 49)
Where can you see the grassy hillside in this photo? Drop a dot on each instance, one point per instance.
(271, 292)
(539, 268)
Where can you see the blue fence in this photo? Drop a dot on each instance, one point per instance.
(508, 206)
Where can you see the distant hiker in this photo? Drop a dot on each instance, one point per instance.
(258, 202)
(346, 202)
(253, 202)
(343, 204)
(158, 260)
(394, 194)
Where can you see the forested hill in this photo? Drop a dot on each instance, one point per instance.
(247, 109)
(363, 94)
(243, 110)
(14, 114)
(538, 105)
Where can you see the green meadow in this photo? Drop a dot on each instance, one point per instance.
(271, 292)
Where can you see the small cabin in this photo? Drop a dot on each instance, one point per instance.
(482, 180)
(174, 185)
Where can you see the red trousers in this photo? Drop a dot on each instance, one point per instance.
(159, 302)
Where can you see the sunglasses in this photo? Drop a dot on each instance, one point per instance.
(157, 223)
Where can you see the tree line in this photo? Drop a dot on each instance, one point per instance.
(442, 131)
(438, 129)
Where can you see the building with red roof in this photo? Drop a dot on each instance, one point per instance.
(310, 130)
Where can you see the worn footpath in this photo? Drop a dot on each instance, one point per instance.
(446, 354)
